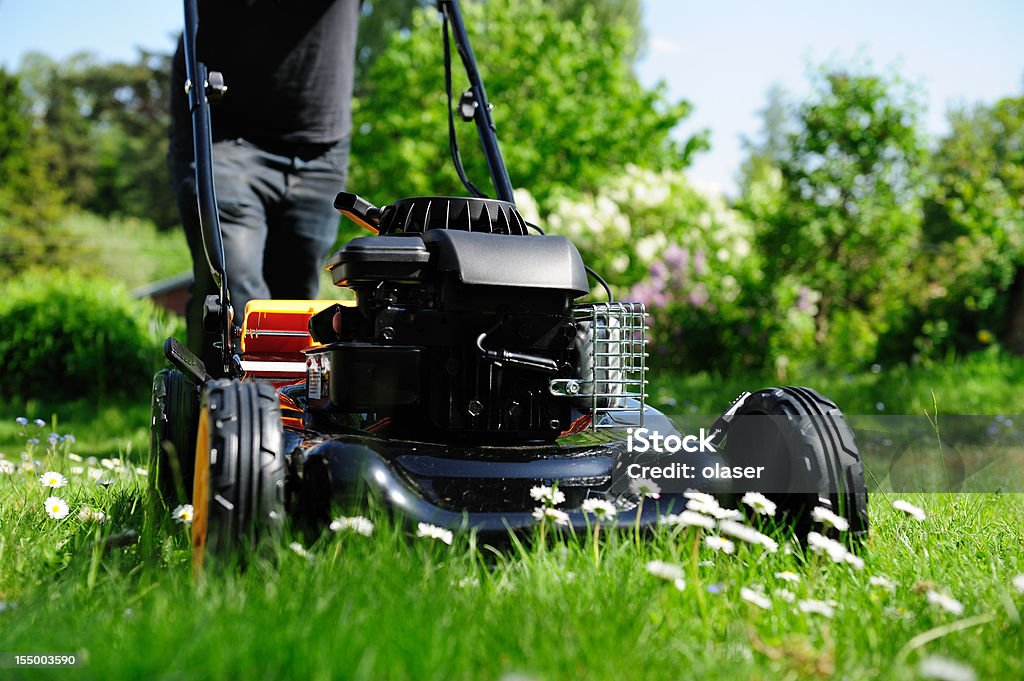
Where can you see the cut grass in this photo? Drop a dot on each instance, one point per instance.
(395, 607)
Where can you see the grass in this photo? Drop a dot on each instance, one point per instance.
(394, 606)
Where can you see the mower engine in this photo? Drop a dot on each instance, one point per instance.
(464, 326)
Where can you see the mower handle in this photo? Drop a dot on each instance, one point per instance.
(202, 85)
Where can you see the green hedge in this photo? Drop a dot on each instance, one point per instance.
(67, 336)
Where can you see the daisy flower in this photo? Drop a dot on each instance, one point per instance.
(826, 517)
(357, 524)
(559, 517)
(668, 572)
(720, 544)
(761, 504)
(944, 669)
(301, 550)
(786, 595)
(547, 495)
(183, 514)
(6, 467)
(788, 576)
(819, 543)
(1018, 583)
(908, 508)
(755, 597)
(882, 582)
(816, 607)
(644, 488)
(434, 532)
(945, 601)
(599, 508)
(75, 457)
(702, 497)
(91, 515)
(52, 479)
(747, 534)
(56, 508)
(688, 519)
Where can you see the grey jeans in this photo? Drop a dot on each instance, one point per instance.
(277, 217)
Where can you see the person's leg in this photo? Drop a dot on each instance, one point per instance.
(305, 224)
(240, 186)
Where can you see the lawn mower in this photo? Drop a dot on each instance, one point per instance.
(473, 365)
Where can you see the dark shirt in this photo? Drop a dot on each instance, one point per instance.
(288, 67)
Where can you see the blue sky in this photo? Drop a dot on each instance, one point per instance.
(721, 55)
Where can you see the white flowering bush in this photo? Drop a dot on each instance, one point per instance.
(681, 251)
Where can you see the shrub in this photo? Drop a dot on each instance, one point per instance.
(66, 336)
(683, 253)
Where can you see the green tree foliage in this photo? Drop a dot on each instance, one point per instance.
(973, 287)
(567, 106)
(840, 213)
(29, 201)
(106, 125)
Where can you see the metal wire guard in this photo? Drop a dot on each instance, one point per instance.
(613, 360)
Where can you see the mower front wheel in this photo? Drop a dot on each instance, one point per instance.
(172, 437)
(809, 451)
(238, 494)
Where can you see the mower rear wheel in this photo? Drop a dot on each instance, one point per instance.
(808, 449)
(238, 495)
(172, 437)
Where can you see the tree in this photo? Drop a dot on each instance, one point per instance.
(974, 227)
(29, 201)
(845, 222)
(106, 127)
(567, 106)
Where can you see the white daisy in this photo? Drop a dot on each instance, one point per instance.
(300, 550)
(748, 534)
(183, 514)
(142, 472)
(547, 495)
(357, 524)
(688, 519)
(559, 517)
(52, 479)
(56, 508)
(755, 597)
(6, 467)
(91, 515)
(1018, 583)
(644, 488)
(944, 669)
(786, 595)
(819, 543)
(856, 561)
(908, 508)
(882, 582)
(95, 473)
(817, 607)
(601, 509)
(720, 544)
(667, 571)
(945, 601)
(830, 519)
(434, 532)
(761, 504)
(702, 497)
(788, 576)
(77, 470)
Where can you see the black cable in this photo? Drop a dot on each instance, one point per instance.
(539, 230)
(600, 280)
(453, 141)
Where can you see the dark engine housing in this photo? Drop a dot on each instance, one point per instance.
(460, 323)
